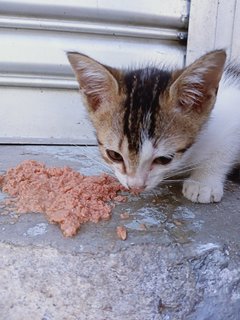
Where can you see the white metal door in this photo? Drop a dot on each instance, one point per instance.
(39, 97)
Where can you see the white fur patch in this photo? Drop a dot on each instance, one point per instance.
(147, 152)
(203, 192)
(216, 150)
(122, 178)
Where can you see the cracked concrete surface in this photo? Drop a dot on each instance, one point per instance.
(184, 265)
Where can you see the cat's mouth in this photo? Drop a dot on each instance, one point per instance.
(137, 190)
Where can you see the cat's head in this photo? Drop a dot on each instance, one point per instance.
(146, 120)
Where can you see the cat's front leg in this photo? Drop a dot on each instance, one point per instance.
(203, 188)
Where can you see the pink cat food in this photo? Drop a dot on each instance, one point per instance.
(65, 196)
(121, 232)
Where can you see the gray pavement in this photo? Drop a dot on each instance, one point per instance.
(184, 265)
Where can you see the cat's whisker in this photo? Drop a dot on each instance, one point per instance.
(93, 159)
(180, 180)
(178, 173)
(169, 181)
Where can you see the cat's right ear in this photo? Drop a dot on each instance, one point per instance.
(96, 81)
(196, 87)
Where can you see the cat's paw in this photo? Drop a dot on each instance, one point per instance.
(197, 191)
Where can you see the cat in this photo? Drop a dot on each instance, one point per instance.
(154, 123)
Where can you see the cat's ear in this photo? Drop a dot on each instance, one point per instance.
(197, 85)
(96, 81)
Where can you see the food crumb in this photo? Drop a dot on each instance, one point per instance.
(124, 215)
(120, 198)
(178, 222)
(142, 226)
(121, 232)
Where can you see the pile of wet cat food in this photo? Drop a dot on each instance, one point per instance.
(65, 196)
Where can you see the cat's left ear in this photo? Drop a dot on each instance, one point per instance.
(96, 82)
(196, 87)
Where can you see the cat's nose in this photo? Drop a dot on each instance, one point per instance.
(136, 183)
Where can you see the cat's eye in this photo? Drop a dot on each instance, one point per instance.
(163, 160)
(114, 156)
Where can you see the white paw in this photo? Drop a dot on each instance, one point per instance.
(197, 191)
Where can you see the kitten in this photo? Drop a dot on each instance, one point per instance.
(152, 124)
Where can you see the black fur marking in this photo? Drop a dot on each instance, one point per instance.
(143, 88)
(232, 72)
